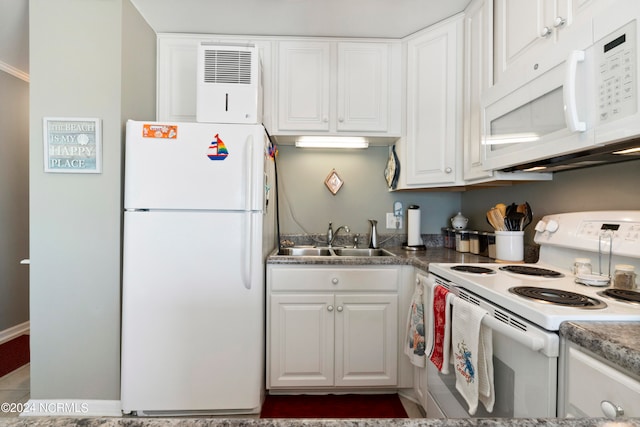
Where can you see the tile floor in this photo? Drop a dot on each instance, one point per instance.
(14, 388)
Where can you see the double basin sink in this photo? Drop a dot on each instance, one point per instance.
(328, 252)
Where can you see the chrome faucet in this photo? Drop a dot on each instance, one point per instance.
(331, 235)
(373, 234)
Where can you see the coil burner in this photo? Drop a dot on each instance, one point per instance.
(558, 297)
(473, 269)
(531, 271)
(625, 295)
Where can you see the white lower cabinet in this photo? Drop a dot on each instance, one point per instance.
(332, 326)
(593, 387)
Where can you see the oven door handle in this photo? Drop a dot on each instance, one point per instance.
(533, 343)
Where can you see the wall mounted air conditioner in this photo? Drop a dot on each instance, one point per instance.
(229, 89)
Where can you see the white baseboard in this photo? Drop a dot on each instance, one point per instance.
(71, 408)
(14, 332)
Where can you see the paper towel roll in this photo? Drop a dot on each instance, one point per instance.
(413, 226)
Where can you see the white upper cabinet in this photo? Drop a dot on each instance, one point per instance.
(430, 153)
(532, 36)
(338, 87)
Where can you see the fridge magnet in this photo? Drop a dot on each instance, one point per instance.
(333, 182)
(72, 145)
(217, 150)
(159, 131)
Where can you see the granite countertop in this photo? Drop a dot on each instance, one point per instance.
(616, 342)
(240, 422)
(419, 259)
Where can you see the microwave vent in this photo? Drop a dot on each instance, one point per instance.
(227, 66)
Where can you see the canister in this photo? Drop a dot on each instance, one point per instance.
(462, 240)
(474, 242)
(491, 245)
(624, 277)
(483, 242)
(445, 237)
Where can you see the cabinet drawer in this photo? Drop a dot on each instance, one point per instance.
(591, 381)
(333, 279)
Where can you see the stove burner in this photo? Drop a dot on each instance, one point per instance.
(531, 271)
(622, 295)
(473, 269)
(558, 297)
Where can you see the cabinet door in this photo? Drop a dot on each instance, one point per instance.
(477, 79)
(434, 106)
(303, 85)
(176, 92)
(301, 340)
(363, 86)
(366, 340)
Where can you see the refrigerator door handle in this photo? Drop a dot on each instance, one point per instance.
(248, 252)
(249, 202)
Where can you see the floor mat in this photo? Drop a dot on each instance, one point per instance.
(14, 354)
(333, 406)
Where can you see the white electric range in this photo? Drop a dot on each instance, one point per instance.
(528, 302)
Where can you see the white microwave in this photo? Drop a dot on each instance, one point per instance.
(581, 106)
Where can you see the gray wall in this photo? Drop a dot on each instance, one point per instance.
(88, 58)
(306, 205)
(14, 200)
(610, 187)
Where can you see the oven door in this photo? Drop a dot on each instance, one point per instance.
(525, 384)
(525, 365)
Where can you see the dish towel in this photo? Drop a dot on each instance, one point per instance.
(472, 345)
(414, 340)
(439, 332)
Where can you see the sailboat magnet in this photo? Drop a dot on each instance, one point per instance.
(217, 150)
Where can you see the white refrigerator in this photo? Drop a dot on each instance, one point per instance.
(199, 222)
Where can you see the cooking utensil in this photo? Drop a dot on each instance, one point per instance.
(495, 218)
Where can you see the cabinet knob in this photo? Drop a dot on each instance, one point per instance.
(335, 281)
(325, 120)
(329, 308)
(340, 308)
(559, 22)
(448, 170)
(611, 410)
(546, 32)
(341, 119)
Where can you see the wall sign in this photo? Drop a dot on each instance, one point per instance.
(72, 145)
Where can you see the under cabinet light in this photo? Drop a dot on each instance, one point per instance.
(331, 142)
(635, 150)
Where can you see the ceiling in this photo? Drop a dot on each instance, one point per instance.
(342, 18)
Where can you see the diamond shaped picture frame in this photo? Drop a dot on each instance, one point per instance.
(333, 182)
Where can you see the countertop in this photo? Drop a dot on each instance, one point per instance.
(616, 342)
(419, 259)
(240, 422)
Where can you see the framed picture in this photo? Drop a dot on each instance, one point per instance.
(72, 145)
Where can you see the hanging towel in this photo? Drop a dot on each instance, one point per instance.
(414, 340)
(473, 355)
(439, 327)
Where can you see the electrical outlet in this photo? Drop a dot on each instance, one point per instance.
(393, 222)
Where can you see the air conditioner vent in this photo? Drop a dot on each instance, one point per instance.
(227, 66)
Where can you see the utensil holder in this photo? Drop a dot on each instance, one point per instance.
(510, 246)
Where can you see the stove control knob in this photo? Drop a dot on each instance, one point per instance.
(552, 226)
(541, 226)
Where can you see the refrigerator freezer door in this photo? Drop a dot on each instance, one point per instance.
(194, 166)
(193, 327)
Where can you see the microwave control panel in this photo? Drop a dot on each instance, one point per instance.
(615, 59)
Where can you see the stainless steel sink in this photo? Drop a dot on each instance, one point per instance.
(325, 251)
(305, 251)
(362, 252)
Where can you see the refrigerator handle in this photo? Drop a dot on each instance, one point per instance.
(248, 252)
(248, 167)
